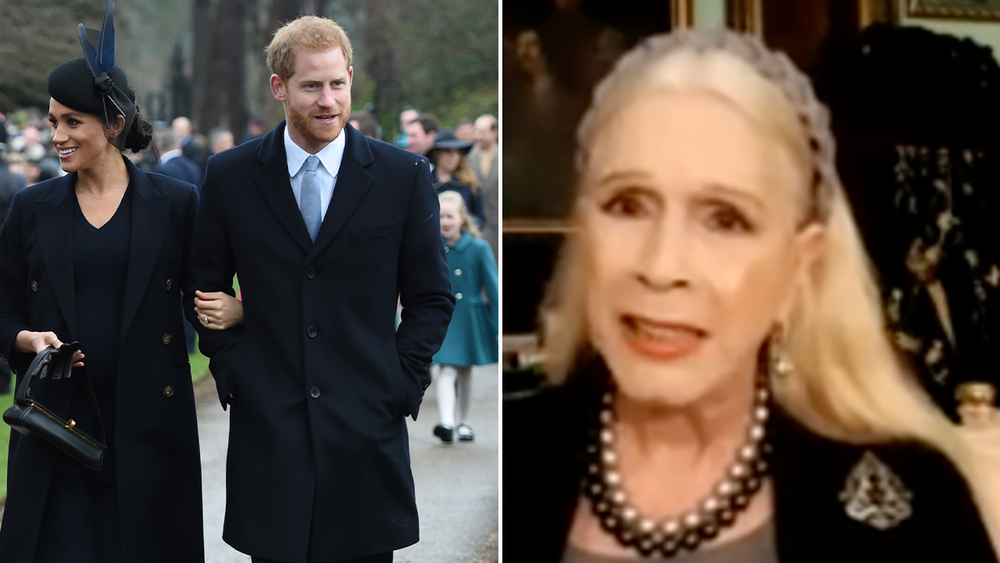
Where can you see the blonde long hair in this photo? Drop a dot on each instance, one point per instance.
(849, 383)
(468, 225)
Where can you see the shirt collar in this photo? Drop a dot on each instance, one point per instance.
(330, 156)
(169, 155)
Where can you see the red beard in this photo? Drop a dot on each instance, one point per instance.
(313, 132)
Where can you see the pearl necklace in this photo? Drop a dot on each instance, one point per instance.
(667, 538)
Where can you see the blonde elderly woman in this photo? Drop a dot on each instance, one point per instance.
(723, 389)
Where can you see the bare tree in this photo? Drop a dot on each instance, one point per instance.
(203, 105)
(219, 82)
(230, 78)
(30, 49)
(380, 57)
(282, 12)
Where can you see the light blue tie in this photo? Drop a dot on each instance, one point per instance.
(309, 199)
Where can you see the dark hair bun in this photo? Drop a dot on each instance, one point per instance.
(141, 134)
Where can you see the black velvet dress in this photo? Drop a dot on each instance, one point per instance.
(81, 518)
(545, 464)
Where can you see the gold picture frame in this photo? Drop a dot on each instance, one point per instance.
(682, 14)
(982, 10)
(746, 16)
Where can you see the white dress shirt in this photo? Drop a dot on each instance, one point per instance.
(326, 174)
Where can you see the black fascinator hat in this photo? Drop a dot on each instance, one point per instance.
(93, 83)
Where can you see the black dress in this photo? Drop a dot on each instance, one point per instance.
(100, 268)
(117, 290)
(544, 464)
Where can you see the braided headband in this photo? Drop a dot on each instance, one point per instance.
(774, 66)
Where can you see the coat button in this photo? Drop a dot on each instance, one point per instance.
(34, 286)
(314, 392)
(310, 272)
(458, 296)
(170, 284)
(312, 332)
(166, 339)
(168, 391)
(458, 271)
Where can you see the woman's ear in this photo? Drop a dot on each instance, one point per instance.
(116, 127)
(810, 243)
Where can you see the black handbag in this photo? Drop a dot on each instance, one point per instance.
(32, 419)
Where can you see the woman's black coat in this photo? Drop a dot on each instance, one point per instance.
(157, 459)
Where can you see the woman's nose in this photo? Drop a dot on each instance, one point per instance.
(57, 135)
(663, 262)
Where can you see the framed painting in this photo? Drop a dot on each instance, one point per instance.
(554, 53)
(987, 10)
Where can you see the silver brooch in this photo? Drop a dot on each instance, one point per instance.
(874, 495)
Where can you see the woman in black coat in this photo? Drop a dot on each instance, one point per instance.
(723, 386)
(453, 173)
(98, 256)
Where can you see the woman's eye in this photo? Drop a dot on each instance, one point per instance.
(729, 219)
(625, 205)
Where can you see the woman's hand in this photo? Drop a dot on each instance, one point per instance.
(31, 342)
(218, 310)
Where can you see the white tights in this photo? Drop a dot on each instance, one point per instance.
(446, 387)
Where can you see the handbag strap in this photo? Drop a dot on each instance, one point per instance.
(57, 363)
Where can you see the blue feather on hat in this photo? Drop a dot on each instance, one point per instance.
(100, 59)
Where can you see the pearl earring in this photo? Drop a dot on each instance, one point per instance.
(781, 365)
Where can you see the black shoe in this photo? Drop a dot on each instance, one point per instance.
(445, 432)
(465, 433)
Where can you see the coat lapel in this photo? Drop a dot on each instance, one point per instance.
(353, 182)
(275, 186)
(55, 212)
(150, 215)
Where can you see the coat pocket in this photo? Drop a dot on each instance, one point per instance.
(391, 358)
(371, 233)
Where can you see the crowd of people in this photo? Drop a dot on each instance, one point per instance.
(463, 165)
(463, 159)
(144, 231)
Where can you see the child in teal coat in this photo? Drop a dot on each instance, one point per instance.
(472, 334)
